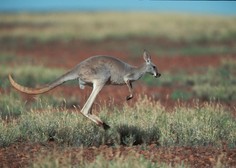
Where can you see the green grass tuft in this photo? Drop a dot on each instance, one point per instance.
(9, 133)
(11, 106)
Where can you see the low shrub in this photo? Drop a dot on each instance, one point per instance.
(145, 123)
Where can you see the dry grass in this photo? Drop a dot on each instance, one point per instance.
(97, 26)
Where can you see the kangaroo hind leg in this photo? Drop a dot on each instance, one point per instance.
(87, 109)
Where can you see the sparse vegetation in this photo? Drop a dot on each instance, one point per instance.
(99, 26)
(58, 161)
(11, 106)
(188, 49)
(212, 83)
(145, 123)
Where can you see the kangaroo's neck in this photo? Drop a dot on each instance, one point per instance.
(138, 72)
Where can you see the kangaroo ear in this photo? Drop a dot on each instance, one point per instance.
(146, 57)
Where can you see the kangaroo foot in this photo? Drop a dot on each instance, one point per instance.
(105, 126)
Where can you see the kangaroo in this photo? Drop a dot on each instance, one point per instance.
(98, 71)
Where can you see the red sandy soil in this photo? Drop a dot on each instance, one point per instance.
(67, 55)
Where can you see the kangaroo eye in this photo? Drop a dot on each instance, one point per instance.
(154, 67)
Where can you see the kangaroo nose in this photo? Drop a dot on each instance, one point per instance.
(158, 75)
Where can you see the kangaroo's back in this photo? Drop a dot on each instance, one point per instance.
(103, 67)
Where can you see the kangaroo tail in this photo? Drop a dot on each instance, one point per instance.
(44, 89)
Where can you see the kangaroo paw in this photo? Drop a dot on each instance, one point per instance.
(105, 126)
(129, 97)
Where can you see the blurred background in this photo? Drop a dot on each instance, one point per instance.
(192, 43)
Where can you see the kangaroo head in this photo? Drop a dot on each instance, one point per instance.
(150, 67)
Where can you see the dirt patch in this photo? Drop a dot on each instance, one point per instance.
(22, 154)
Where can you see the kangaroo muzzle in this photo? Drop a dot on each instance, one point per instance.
(157, 75)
